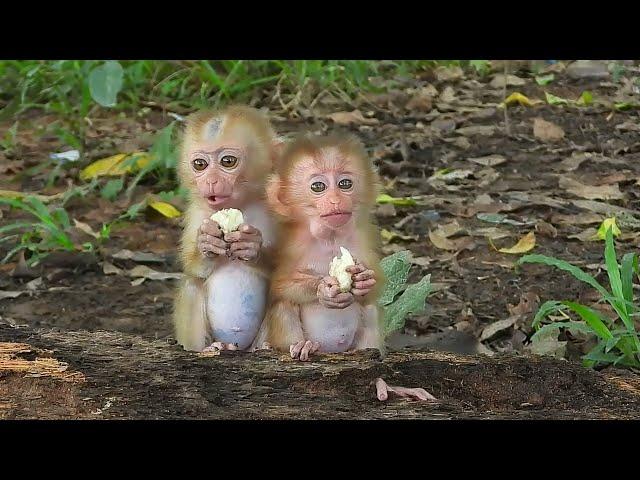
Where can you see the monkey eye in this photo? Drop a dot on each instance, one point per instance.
(345, 184)
(199, 164)
(229, 161)
(318, 187)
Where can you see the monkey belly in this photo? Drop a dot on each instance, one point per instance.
(236, 303)
(333, 329)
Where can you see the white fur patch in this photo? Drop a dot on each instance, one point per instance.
(213, 128)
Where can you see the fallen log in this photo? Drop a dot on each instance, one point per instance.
(49, 374)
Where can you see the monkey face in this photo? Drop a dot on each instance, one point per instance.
(329, 187)
(218, 172)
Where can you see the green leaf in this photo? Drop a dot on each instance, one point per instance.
(553, 100)
(613, 269)
(545, 79)
(585, 99)
(112, 188)
(396, 271)
(567, 267)
(545, 309)
(480, 66)
(572, 326)
(592, 318)
(412, 300)
(105, 82)
(629, 260)
(399, 201)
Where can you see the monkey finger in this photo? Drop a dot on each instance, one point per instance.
(355, 269)
(366, 275)
(343, 297)
(243, 246)
(242, 237)
(211, 227)
(207, 248)
(364, 284)
(244, 255)
(211, 240)
(250, 229)
(360, 292)
(330, 281)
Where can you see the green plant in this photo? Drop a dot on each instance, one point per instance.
(412, 300)
(40, 236)
(618, 341)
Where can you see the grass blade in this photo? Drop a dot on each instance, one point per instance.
(567, 267)
(592, 318)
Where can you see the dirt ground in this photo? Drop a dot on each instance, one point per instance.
(539, 184)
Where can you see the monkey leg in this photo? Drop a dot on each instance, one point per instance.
(383, 390)
(369, 334)
(190, 316)
(282, 330)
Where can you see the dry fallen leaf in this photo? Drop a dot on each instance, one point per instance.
(588, 235)
(496, 327)
(591, 192)
(110, 269)
(115, 165)
(482, 130)
(86, 228)
(499, 80)
(165, 209)
(517, 97)
(547, 131)
(354, 117)
(445, 74)
(440, 241)
(525, 244)
(151, 274)
(10, 293)
(489, 160)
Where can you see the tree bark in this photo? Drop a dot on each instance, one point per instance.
(116, 375)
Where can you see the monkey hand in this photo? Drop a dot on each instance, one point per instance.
(302, 349)
(330, 296)
(245, 243)
(363, 279)
(210, 242)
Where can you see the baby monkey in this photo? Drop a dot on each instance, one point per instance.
(225, 159)
(325, 190)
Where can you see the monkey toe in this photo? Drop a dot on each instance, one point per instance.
(420, 394)
(295, 349)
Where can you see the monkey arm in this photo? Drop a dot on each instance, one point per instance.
(299, 287)
(193, 262)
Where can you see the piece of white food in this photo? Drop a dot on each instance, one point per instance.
(229, 219)
(337, 269)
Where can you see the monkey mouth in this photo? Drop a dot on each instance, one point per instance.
(337, 219)
(215, 200)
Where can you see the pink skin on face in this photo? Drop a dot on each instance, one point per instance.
(216, 172)
(218, 177)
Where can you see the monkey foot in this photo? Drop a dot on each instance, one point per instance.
(382, 391)
(218, 346)
(303, 349)
(263, 346)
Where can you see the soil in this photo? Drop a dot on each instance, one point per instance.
(99, 323)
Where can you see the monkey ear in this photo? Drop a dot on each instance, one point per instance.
(277, 146)
(273, 189)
